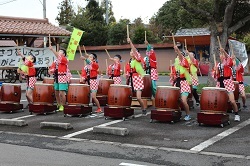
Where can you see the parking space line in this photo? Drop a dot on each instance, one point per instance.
(91, 128)
(220, 136)
(22, 117)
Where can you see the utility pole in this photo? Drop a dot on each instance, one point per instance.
(44, 9)
(107, 12)
(44, 16)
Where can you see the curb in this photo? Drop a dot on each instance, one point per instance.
(56, 125)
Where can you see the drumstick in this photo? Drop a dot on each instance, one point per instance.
(218, 38)
(170, 66)
(49, 41)
(107, 53)
(80, 51)
(107, 64)
(84, 50)
(78, 73)
(145, 35)
(124, 69)
(127, 31)
(173, 39)
(185, 44)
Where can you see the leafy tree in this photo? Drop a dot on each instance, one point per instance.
(91, 20)
(117, 33)
(66, 12)
(224, 18)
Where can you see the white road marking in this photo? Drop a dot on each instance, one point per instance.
(22, 117)
(129, 164)
(23, 100)
(224, 155)
(91, 128)
(220, 136)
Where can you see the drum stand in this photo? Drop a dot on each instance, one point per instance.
(213, 118)
(118, 112)
(10, 107)
(42, 108)
(77, 110)
(165, 115)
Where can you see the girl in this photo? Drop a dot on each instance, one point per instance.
(89, 75)
(223, 71)
(114, 70)
(137, 74)
(30, 74)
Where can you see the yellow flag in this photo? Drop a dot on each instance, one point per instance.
(73, 43)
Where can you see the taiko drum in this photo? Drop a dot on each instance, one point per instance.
(75, 81)
(78, 94)
(43, 93)
(167, 97)
(10, 93)
(119, 96)
(213, 99)
(48, 80)
(103, 86)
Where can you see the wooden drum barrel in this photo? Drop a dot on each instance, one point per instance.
(167, 97)
(236, 91)
(103, 86)
(75, 81)
(213, 99)
(10, 93)
(119, 96)
(78, 94)
(43, 93)
(48, 80)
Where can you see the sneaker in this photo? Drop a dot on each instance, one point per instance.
(237, 118)
(144, 112)
(61, 108)
(244, 106)
(99, 110)
(197, 104)
(187, 118)
(90, 104)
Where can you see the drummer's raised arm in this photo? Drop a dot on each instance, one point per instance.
(54, 51)
(178, 52)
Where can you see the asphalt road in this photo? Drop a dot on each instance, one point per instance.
(178, 144)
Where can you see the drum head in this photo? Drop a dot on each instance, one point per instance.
(118, 85)
(214, 88)
(9, 84)
(168, 87)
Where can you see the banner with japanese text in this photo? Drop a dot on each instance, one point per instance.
(239, 50)
(73, 43)
(10, 58)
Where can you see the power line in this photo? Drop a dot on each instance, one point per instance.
(7, 2)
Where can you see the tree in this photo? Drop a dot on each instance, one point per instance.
(117, 33)
(224, 18)
(66, 12)
(91, 20)
(171, 17)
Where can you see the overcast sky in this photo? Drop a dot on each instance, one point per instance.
(130, 9)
